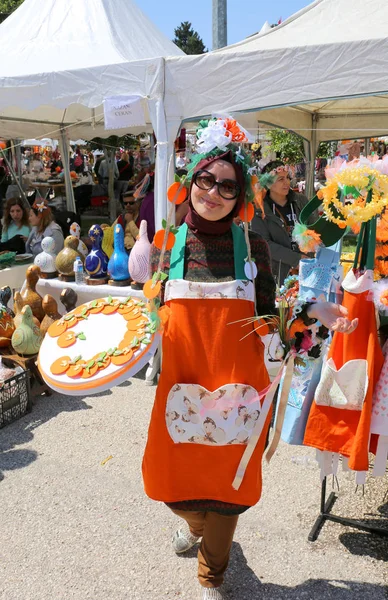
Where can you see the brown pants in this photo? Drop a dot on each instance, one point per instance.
(217, 536)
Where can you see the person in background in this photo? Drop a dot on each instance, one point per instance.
(78, 160)
(103, 171)
(282, 207)
(125, 174)
(130, 220)
(96, 168)
(15, 220)
(43, 225)
(36, 165)
(180, 162)
(147, 208)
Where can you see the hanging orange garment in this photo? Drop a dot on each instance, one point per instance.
(206, 404)
(340, 417)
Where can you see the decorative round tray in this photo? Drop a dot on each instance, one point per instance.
(98, 345)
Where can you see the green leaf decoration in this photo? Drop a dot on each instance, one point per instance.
(90, 364)
(141, 304)
(145, 341)
(117, 352)
(174, 229)
(155, 277)
(164, 223)
(101, 356)
(135, 342)
(110, 299)
(163, 276)
(93, 304)
(81, 336)
(75, 360)
(68, 317)
(126, 300)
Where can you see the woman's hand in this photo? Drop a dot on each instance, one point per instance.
(333, 316)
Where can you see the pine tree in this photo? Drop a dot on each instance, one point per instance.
(188, 40)
(8, 6)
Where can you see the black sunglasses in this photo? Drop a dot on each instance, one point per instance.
(228, 189)
(130, 202)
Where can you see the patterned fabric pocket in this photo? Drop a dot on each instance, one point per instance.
(344, 388)
(220, 418)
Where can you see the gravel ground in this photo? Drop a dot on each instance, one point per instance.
(76, 526)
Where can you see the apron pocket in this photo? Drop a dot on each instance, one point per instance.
(344, 388)
(226, 416)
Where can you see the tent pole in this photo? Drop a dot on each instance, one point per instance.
(18, 153)
(313, 147)
(110, 157)
(64, 148)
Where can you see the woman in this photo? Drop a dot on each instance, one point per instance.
(15, 220)
(190, 462)
(282, 207)
(43, 225)
(125, 174)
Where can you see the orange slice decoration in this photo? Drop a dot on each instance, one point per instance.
(67, 339)
(76, 370)
(87, 373)
(159, 238)
(96, 309)
(109, 309)
(124, 309)
(123, 358)
(103, 363)
(57, 328)
(150, 290)
(250, 212)
(135, 314)
(176, 194)
(60, 366)
(135, 324)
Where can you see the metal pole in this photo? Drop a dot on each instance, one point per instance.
(64, 148)
(220, 28)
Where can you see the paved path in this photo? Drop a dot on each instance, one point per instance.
(73, 528)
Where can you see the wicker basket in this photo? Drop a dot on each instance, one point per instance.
(15, 397)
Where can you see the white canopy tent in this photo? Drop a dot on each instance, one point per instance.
(323, 73)
(64, 57)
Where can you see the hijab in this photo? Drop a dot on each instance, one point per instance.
(200, 225)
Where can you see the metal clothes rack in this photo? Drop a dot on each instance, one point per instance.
(327, 515)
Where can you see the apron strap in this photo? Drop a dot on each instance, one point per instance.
(177, 262)
(240, 252)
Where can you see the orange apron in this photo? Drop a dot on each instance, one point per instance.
(340, 417)
(207, 403)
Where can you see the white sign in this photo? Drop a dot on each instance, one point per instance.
(122, 112)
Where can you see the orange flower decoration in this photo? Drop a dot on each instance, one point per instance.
(234, 129)
(384, 298)
(297, 326)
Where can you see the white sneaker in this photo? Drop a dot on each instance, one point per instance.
(212, 594)
(183, 540)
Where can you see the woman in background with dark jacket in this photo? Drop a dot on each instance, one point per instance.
(282, 207)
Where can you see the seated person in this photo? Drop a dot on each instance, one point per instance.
(147, 208)
(15, 220)
(43, 225)
(130, 220)
(282, 207)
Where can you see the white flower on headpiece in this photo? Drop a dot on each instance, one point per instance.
(252, 171)
(215, 135)
(239, 157)
(41, 206)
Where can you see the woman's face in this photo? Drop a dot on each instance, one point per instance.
(282, 184)
(16, 213)
(33, 218)
(208, 203)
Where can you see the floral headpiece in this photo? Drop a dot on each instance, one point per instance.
(40, 206)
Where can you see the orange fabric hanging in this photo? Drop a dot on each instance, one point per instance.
(334, 428)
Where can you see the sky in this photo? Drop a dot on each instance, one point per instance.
(245, 17)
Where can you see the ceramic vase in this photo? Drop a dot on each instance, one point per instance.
(139, 258)
(45, 260)
(118, 263)
(66, 257)
(30, 295)
(75, 230)
(50, 308)
(26, 339)
(96, 263)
